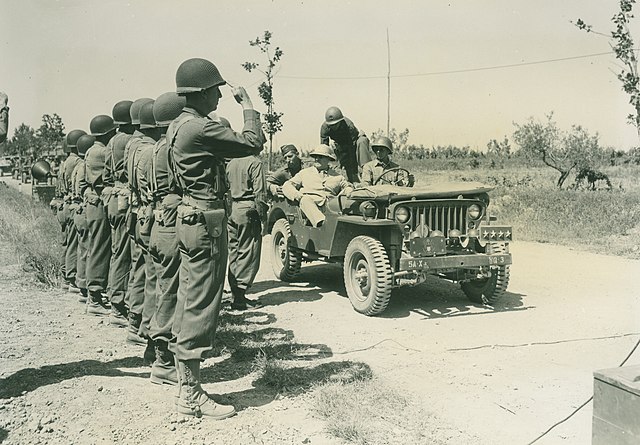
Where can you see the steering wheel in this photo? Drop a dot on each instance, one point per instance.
(396, 176)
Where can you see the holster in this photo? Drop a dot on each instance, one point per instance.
(145, 218)
(123, 199)
(215, 221)
(130, 223)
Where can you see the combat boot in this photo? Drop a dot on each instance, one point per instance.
(193, 400)
(149, 355)
(82, 298)
(96, 305)
(163, 369)
(239, 300)
(118, 316)
(73, 289)
(132, 331)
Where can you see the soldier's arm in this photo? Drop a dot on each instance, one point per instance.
(353, 131)
(324, 134)
(226, 143)
(290, 188)
(107, 174)
(259, 182)
(367, 175)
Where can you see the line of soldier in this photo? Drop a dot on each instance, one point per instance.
(155, 200)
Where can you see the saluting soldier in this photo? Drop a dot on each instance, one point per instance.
(103, 129)
(163, 244)
(198, 146)
(116, 194)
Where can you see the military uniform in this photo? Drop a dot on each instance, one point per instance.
(71, 251)
(100, 233)
(247, 189)
(198, 146)
(345, 134)
(372, 170)
(78, 208)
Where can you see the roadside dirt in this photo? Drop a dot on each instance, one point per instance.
(501, 375)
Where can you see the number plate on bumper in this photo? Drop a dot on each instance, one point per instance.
(434, 245)
(455, 262)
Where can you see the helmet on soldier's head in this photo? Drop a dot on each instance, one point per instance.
(324, 150)
(121, 112)
(333, 116)
(134, 111)
(73, 136)
(197, 74)
(101, 125)
(84, 143)
(382, 141)
(146, 116)
(288, 148)
(167, 107)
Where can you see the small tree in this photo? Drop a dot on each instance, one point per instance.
(398, 139)
(622, 45)
(559, 150)
(24, 141)
(273, 122)
(51, 132)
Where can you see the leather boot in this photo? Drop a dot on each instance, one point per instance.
(193, 400)
(132, 331)
(96, 305)
(239, 300)
(149, 355)
(163, 369)
(118, 316)
(82, 298)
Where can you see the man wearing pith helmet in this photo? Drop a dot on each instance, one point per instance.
(344, 133)
(197, 148)
(103, 129)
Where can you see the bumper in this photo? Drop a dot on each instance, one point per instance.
(454, 262)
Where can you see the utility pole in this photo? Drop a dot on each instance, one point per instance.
(388, 83)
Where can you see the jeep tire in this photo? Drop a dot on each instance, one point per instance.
(368, 277)
(284, 261)
(489, 290)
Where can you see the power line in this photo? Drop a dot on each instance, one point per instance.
(466, 70)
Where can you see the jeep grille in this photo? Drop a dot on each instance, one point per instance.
(442, 216)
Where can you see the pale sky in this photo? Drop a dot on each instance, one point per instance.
(78, 58)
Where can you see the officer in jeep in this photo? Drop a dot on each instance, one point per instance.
(374, 170)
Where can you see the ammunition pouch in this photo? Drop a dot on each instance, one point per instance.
(123, 203)
(106, 195)
(80, 220)
(166, 211)
(91, 197)
(145, 220)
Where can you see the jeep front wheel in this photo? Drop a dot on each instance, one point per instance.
(284, 261)
(489, 290)
(368, 276)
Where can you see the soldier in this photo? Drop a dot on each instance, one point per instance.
(198, 146)
(64, 183)
(103, 129)
(115, 194)
(4, 117)
(140, 154)
(78, 208)
(313, 185)
(294, 165)
(363, 150)
(373, 170)
(163, 244)
(345, 135)
(247, 189)
(136, 287)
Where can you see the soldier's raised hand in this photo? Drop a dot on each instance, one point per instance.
(242, 97)
(4, 99)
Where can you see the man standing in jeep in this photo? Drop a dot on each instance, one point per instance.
(345, 135)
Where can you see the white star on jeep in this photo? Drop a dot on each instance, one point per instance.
(493, 234)
(507, 234)
(500, 233)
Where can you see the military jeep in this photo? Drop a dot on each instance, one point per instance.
(388, 236)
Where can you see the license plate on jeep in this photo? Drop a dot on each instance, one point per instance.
(435, 245)
(496, 233)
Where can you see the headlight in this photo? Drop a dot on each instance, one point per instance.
(474, 211)
(402, 215)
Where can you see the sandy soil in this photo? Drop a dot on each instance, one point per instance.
(502, 375)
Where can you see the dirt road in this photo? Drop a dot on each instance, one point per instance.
(502, 375)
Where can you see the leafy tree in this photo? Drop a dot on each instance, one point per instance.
(273, 119)
(622, 44)
(499, 149)
(399, 139)
(24, 141)
(51, 132)
(562, 151)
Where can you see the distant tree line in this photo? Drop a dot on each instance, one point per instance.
(46, 139)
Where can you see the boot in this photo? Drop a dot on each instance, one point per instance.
(149, 355)
(193, 400)
(118, 317)
(82, 298)
(72, 288)
(96, 305)
(239, 300)
(132, 331)
(163, 369)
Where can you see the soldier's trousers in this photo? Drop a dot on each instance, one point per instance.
(80, 222)
(245, 244)
(163, 247)
(313, 208)
(120, 264)
(71, 250)
(202, 270)
(346, 155)
(99, 248)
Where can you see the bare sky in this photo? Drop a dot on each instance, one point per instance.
(78, 58)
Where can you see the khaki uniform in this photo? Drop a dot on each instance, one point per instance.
(312, 187)
(372, 170)
(118, 194)
(198, 146)
(78, 208)
(247, 188)
(65, 184)
(99, 231)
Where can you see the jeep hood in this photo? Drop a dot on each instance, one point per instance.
(423, 191)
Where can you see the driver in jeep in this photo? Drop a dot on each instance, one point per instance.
(314, 185)
(383, 170)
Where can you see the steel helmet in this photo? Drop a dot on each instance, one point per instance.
(324, 150)
(167, 107)
(101, 125)
(121, 112)
(333, 116)
(146, 116)
(84, 143)
(382, 141)
(134, 111)
(73, 136)
(195, 75)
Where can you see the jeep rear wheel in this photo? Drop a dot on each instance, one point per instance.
(368, 277)
(285, 262)
(489, 290)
